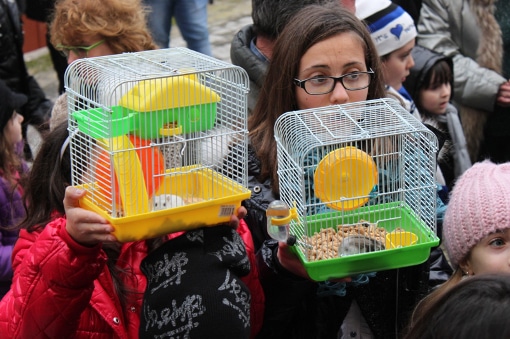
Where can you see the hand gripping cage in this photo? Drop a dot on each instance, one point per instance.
(361, 178)
(149, 135)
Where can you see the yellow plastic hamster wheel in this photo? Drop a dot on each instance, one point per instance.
(344, 178)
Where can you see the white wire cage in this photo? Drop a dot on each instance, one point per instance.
(361, 178)
(149, 137)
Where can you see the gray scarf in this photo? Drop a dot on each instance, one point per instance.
(461, 157)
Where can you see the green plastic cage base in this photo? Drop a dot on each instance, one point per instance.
(347, 266)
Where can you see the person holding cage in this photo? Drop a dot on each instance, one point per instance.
(324, 56)
(67, 262)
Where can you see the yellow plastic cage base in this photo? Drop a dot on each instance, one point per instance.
(213, 199)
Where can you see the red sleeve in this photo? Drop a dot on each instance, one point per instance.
(52, 284)
(252, 281)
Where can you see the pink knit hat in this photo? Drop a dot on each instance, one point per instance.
(479, 205)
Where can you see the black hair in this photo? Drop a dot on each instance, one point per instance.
(50, 175)
(476, 307)
(439, 74)
(271, 16)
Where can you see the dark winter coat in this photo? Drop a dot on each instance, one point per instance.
(12, 65)
(241, 55)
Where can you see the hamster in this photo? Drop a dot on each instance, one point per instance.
(164, 201)
(356, 244)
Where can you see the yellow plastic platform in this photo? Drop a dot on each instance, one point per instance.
(212, 198)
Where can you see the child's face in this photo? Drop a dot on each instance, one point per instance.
(435, 100)
(397, 65)
(335, 56)
(12, 131)
(490, 255)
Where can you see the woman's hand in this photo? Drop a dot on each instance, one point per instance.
(503, 98)
(291, 263)
(85, 227)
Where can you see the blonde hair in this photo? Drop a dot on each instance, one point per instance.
(121, 23)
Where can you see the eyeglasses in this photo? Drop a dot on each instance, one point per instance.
(79, 51)
(323, 84)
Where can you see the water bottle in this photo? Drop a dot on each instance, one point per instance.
(277, 227)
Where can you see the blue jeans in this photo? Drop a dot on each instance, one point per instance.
(191, 18)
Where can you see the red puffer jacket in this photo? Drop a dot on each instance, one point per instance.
(61, 289)
(258, 299)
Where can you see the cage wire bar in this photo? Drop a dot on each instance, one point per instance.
(151, 137)
(362, 179)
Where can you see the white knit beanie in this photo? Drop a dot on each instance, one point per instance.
(479, 205)
(390, 26)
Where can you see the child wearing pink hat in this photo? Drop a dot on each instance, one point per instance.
(476, 228)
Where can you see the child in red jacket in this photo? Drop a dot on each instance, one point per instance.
(71, 277)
